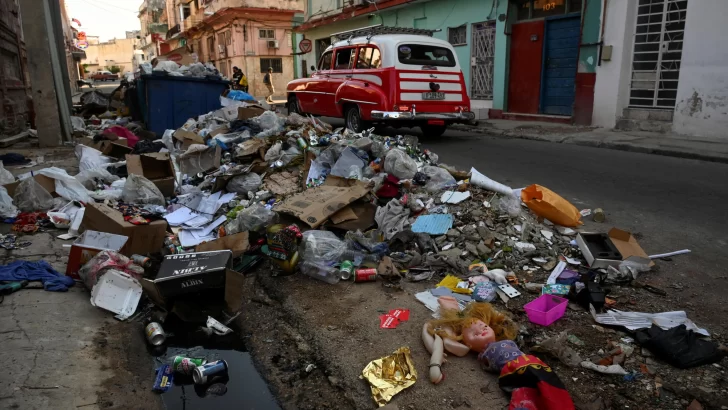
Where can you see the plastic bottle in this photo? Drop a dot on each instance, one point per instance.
(321, 272)
(358, 258)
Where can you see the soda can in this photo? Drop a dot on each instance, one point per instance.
(141, 260)
(599, 215)
(186, 365)
(155, 334)
(202, 373)
(365, 275)
(346, 269)
(301, 143)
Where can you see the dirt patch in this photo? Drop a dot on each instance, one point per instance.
(130, 387)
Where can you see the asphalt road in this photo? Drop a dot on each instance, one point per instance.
(672, 204)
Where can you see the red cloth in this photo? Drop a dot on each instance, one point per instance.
(131, 139)
(534, 385)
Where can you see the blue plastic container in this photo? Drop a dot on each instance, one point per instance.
(170, 101)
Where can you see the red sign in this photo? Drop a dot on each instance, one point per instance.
(305, 45)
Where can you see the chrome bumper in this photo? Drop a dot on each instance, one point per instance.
(404, 115)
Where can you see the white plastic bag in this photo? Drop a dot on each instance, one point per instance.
(86, 178)
(90, 158)
(439, 179)
(139, 190)
(6, 177)
(30, 196)
(399, 164)
(67, 186)
(349, 165)
(7, 208)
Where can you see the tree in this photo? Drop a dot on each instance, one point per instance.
(115, 69)
(85, 68)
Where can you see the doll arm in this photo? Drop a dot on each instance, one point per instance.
(456, 348)
(438, 352)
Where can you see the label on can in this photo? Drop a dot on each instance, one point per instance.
(186, 365)
(202, 373)
(365, 275)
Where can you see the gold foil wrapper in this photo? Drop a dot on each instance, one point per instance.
(390, 375)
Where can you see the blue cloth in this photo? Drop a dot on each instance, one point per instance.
(32, 271)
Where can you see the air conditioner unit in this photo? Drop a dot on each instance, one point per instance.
(272, 43)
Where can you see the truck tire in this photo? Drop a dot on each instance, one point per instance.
(353, 120)
(293, 105)
(433, 130)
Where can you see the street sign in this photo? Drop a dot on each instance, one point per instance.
(305, 45)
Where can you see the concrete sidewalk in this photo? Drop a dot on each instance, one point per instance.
(636, 141)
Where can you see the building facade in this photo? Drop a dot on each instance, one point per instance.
(15, 96)
(251, 35)
(152, 17)
(666, 67)
(116, 52)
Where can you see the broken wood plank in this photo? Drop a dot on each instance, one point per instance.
(8, 141)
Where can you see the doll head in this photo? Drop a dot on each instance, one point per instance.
(477, 335)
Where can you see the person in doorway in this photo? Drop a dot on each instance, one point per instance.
(268, 81)
(237, 75)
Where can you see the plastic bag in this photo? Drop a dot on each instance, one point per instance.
(322, 247)
(548, 204)
(30, 196)
(296, 119)
(253, 218)
(67, 186)
(90, 158)
(242, 184)
(168, 66)
(104, 261)
(78, 124)
(509, 204)
(349, 165)
(6, 177)
(439, 179)
(7, 208)
(399, 164)
(269, 120)
(87, 178)
(480, 180)
(139, 190)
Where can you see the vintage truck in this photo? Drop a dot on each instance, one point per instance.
(385, 77)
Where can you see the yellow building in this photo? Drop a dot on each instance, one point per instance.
(116, 52)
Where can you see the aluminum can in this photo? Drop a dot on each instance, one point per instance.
(186, 365)
(155, 334)
(203, 373)
(365, 275)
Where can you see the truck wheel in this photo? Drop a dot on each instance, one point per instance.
(353, 119)
(293, 106)
(433, 130)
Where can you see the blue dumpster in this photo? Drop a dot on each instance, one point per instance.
(170, 101)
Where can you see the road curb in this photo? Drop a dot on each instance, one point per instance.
(601, 144)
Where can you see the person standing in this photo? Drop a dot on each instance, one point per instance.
(268, 81)
(237, 75)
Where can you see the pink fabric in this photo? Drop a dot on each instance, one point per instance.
(131, 139)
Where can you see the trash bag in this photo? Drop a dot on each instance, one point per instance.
(139, 190)
(392, 218)
(30, 196)
(78, 124)
(296, 120)
(349, 165)
(242, 184)
(548, 204)
(321, 247)
(679, 346)
(168, 66)
(87, 178)
(6, 177)
(7, 208)
(439, 179)
(90, 158)
(249, 219)
(269, 120)
(399, 164)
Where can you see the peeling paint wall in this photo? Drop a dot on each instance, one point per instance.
(702, 95)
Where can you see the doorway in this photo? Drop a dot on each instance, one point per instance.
(483, 56)
(560, 59)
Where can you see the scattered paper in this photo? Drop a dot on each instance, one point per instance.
(437, 224)
(547, 234)
(585, 212)
(188, 239)
(428, 299)
(454, 197)
(556, 273)
(565, 231)
(639, 320)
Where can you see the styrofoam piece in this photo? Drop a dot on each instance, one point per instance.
(117, 292)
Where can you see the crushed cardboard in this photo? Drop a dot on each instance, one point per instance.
(143, 239)
(282, 183)
(156, 167)
(315, 205)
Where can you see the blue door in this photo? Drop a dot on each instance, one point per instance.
(561, 55)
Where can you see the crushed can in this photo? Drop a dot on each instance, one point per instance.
(365, 275)
(346, 269)
(155, 334)
(203, 373)
(186, 365)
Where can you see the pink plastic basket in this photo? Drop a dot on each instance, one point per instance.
(546, 309)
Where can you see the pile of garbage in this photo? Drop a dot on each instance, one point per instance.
(191, 212)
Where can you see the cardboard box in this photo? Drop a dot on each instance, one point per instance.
(315, 205)
(89, 245)
(601, 251)
(188, 138)
(196, 162)
(143, 239)
(192, 272)
(245, 113)
(237, 243)
(233, 294)
(46, 182)
(116, 149)
(156, 167)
